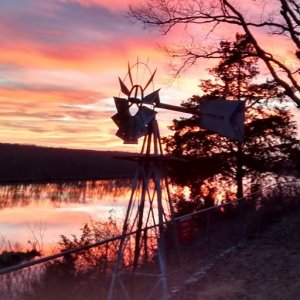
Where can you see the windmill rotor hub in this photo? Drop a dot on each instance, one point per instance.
(135, 99)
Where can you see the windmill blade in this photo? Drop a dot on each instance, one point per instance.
(124, 88)
(223, 117)
(123, 114)
(130, 141)
(121, 104)
(138, 128)
(131, 129)
(134, 126)
(150, 80)
(125, 138)
(145, 115)
(120, 120)
(129, 74)
(152, 98)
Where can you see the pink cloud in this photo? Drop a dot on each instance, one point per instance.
(71, 52)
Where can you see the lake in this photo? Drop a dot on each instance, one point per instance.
(40, 213)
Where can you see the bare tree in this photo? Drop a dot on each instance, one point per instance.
(277, 18)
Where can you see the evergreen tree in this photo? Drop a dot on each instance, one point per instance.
(270, 134)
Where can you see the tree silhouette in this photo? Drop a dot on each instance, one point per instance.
(270, 134)
(276, 18)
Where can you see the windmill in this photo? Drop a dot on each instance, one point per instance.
(147, 206)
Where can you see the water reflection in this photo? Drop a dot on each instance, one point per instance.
(62, 192)
(44, 211)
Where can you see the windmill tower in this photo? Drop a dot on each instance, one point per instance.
(149, 206)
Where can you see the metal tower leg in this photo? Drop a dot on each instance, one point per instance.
(149, 169)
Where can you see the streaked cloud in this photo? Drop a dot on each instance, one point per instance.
(59, 63)
(59, 67)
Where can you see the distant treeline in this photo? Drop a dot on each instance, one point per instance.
(33, 163)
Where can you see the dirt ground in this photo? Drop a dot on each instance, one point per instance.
(265, 268)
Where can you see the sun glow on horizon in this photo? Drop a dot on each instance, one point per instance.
(58, 80)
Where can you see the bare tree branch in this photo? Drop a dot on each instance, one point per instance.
(270, 61)
(166, 14)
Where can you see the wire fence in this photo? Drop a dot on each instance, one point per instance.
(192, 242)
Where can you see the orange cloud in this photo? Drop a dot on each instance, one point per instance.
(71, 52)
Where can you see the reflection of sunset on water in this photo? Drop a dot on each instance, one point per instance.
(45, 212)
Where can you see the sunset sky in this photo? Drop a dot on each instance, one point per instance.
(60, 61)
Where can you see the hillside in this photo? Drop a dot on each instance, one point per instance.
(32, 163)
(265, 268)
